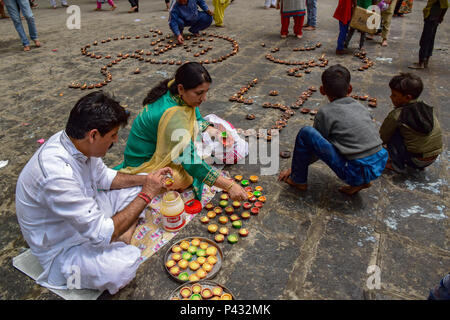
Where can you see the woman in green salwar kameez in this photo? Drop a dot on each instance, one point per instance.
(163, 132)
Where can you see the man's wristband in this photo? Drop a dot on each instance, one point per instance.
(145, 197)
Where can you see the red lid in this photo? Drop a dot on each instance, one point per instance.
(193, 206)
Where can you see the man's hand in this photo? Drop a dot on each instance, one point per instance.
(210, 12)
(180, 39)
(284, 175)
(155, 181)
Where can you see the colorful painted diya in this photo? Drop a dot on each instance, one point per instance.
(245, 215)
(211, 214)
(223, 203)
(233, 238)
(245, 183)
(259, 188)
(238, 178)
(243, 232)
(254, 179)
(223, 220)
(248, 189)
(257, 193)
(204, 219)
(229, 210)
(254, 211)
(237, 224)
(219, 238)
(209, 206)
(247, 205)
(236, 204)
(258, 204)
(224, 231)
(234, 217)
(212, 228)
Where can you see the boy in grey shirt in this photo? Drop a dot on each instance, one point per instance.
(343, 136)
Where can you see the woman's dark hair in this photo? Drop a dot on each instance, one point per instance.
(335, 81)
(190, 75)
(407, 83)
(97, 110)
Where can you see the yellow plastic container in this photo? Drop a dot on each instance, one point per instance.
(172, 211)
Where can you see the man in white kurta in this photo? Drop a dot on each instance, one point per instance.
(67, 213)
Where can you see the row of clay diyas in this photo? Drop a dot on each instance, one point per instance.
(239, 96)
(372, 100)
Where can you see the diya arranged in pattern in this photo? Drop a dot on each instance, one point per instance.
(201, 290)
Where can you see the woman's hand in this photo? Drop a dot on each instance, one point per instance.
(237, 193)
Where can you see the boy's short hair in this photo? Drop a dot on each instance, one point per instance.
(97, 110)
(407, 83)
(336, 81)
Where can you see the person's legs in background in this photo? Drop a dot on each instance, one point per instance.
(203, 21)
(14, 7)
(426, 43)
(343, 29)
(28, 15)
(298, 26)
(311, 9)
(350, 33)
(134, 6)
(3, 14)
(167, 4)
(284, 26)
(386, 16)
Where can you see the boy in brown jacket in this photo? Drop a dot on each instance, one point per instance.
(411, 131)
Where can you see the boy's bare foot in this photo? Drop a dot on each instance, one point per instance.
(26, 48)
(384, 43)
(113, 8)
(351, 190)
(97, 9)
(133, 9)
(285, 176)
(37, 43)
(309, 28)
(417, 65)
(283, 36)
(389, 165)
(299, 36)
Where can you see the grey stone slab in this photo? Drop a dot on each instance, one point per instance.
(409, 270)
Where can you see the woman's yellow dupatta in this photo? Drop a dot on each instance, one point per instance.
(176, 129)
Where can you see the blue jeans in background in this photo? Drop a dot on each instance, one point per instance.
(343, 29)
(203, 21)
(14, 8)
(310, 145)
(311, 9)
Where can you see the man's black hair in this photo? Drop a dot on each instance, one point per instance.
(97, 110)
(407, 83)
(335, 81)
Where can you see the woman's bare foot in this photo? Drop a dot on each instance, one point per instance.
(113, 8)
(26, 48)
(351, 190)
(97, 9)
(384, 43)
(285, 176)
(133, 9)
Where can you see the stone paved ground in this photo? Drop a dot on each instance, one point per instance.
(317, 245)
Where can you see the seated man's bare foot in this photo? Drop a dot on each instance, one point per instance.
(126, 237)
(351, 190)
(285, 176)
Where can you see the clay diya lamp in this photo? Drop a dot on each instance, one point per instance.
(247, 205)
(212, 228)
(206, 293)
(170, 263)
(224, 231)
(249, 194)
(254, 211)
(211, 214)
(218, 210)
(313, 112)
(252, 198)
(223, 203)
(258, 204)
(232, 238)
(250, 116)
(183, 264)
(254, 179)
(373, 104)
(197, 288)
(217, 291)
(229, 210)
(236, 204)
(243, 232)
(305, 110)
(224, 196)
(259, 188)
(195, 296)
(237, 224)
(137, 71)
(207, 267)
(248, 189)
(273, 92)
(238, 178)
(209, 206)
(223, 220)
(245, 215)
(245, 183)
(262, 199)
(234, 217)
(257, 193)
(175, 270)
(204, 219)
(219, 238)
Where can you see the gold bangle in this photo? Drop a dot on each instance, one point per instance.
(229, 187)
